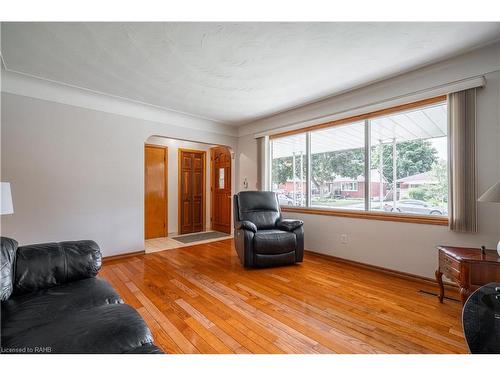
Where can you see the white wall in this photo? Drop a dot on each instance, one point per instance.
(173, 177)
(78, 173)
(400, 246)
(246, 161)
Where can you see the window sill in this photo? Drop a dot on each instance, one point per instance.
(385, 216)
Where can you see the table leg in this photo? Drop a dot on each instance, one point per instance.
(439, 279)
(464, 294)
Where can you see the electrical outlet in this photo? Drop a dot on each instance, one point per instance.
(343, 238)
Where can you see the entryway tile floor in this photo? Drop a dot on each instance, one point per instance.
(168, 243)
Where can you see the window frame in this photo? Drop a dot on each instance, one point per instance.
(358, 213)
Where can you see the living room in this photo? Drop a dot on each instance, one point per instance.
(252, 187)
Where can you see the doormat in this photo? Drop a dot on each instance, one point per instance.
(202, 236)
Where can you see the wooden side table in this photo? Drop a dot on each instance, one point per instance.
(468, 268)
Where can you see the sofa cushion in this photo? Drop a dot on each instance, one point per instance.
(145, 349)
(274, 241)
(23, 312)
(8, 248)
(46, 265)
(107, 329)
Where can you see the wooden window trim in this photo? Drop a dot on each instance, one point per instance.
(370, 215)
(362, 214)
(365, 116)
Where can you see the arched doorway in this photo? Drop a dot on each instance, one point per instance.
(199, 182)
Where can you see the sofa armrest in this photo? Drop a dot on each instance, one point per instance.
(289, 224)
(247, 225)
(46, 265)
(8, 248)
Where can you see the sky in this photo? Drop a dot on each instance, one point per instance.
(441, 146)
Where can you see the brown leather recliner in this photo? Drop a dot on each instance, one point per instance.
(262, 237)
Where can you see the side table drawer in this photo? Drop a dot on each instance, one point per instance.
(450, 272)
(449, 267)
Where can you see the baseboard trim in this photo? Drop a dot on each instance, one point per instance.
(400, 274)
(124, 255)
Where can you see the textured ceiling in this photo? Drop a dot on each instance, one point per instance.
(231, 72)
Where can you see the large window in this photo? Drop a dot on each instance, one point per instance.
(405, 171)
(409, 161)
(338, 166)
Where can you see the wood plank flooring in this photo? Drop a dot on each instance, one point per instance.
(198, 299)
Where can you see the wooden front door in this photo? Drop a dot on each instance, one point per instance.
(220, 158)
(191, 191)
(155, 191)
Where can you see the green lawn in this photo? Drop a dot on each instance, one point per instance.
(358, 203)
(337, 202)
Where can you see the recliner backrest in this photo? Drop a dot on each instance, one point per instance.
(259, 207)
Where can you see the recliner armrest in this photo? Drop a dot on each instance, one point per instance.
(248, 225)
(289, 224)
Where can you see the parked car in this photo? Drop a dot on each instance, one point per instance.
(284, 200)
(415, 206)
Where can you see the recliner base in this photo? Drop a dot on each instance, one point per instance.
(273, 260)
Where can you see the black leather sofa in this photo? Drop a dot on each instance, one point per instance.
(263, 238)
(52, 302)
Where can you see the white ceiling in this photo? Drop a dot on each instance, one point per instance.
(233, 73)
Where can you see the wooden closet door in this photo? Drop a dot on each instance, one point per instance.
(191, 191)
(197, 191)
(155, 191)
(221, 189)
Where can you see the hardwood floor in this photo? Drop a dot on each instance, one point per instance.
(198, 299)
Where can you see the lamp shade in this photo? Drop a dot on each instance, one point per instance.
(6, 206)
(492, 194)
